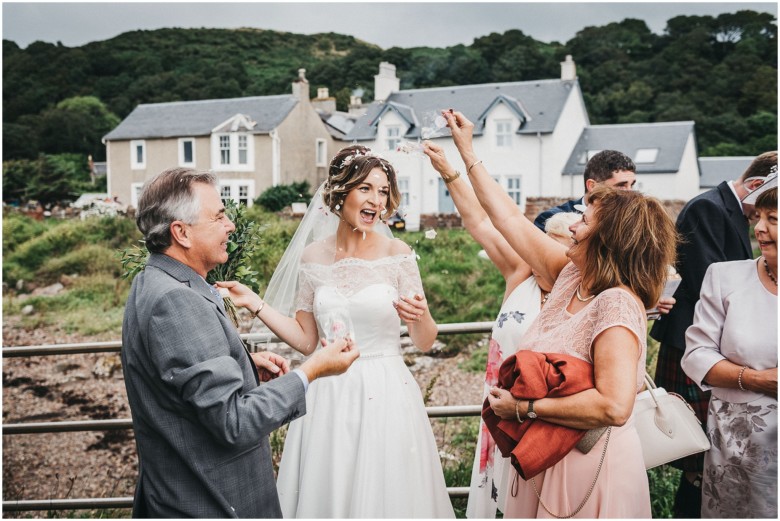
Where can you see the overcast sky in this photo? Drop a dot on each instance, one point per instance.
(401, 24)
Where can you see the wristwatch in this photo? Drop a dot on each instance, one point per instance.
(531, 414)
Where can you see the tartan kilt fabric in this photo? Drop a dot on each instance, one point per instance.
(670, 376)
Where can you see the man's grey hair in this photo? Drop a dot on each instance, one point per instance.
(169, 197)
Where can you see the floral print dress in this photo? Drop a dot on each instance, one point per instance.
(736, 320)
(491, 473)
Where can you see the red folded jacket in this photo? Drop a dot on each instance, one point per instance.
(536, 445)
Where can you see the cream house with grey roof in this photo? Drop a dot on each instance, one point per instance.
(250, 143)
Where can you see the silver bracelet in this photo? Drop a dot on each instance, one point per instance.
(517, 412)
(739, 378)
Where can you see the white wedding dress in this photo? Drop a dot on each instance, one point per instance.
(364, 448)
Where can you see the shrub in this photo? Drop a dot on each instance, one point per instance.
(18, 229)
(111, 232)
(277, 197)
(86, 260)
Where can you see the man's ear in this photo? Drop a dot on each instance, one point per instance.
(590, 184)
(754, 183)
(181, 234)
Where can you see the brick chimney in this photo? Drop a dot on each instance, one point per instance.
(568, 69)
(300, 86)
(324, 102)
(385, 83)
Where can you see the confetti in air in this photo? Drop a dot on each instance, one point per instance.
(430, 234)
(436, 125)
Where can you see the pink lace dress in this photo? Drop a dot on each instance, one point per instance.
(621, 490)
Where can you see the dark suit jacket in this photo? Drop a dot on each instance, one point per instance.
(713, 229)
(568, 206)
(201, 420)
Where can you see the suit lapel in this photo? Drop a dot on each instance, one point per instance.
(186, 275)
(737, 217)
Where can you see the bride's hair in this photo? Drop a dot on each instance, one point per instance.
(348, 169)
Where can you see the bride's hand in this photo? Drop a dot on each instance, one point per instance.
(241, 295)
(411, 310)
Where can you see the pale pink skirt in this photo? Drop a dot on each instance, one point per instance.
(621, 490)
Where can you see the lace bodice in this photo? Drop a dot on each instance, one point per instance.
(360, 294)
(558, 331)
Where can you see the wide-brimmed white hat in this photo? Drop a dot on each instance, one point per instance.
(770, 182)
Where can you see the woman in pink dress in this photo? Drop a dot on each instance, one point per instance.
(615, 269)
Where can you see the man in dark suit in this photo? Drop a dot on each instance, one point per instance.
(200, 415)
(608, 167)
(714, 228)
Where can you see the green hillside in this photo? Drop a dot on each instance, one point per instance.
(719, 71)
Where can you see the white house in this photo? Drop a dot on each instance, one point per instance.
(533, 136)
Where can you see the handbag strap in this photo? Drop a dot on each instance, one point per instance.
(590, 490)
(650, 388)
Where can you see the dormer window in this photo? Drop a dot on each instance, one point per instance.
(232, 144)
(393, 137)
(646, 155)
(224, 150)
(504, 133)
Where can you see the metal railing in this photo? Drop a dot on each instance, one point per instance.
(449, 411)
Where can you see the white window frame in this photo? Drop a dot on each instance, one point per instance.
(135, 193)
(320, 152)
(224, 151)
(234, 185)
(393, 135)
(646, 156)
(182, 141)
(242, 149)
(233, 152)
(503, 133)
(134, 163)
(515, 192)
(403, 190)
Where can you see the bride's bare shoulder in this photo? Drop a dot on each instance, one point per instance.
(398, 247)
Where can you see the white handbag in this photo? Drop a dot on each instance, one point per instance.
(667, 426)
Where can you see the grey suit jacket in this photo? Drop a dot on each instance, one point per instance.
(201, 419)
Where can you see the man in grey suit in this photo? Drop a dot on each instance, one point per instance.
(200, 415)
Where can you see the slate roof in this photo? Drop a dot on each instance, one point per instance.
(669, 138)
(715, 170)
(198, 118)
(338, 124)
(539, 102)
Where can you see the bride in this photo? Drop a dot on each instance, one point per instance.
(365, 447)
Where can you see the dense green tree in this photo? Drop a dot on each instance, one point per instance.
(718, 71)
(77, 125)
(48, 179)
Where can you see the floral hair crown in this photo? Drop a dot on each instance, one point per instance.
(347, 161)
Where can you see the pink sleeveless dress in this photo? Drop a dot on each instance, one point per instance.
(622, 489)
